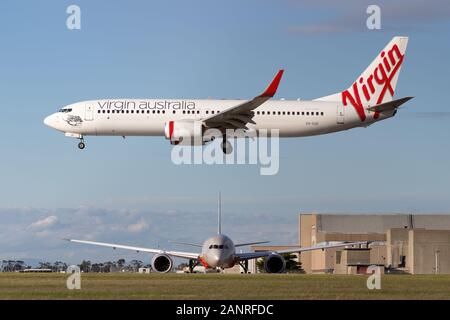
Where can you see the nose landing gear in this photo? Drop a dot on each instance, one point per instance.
(81, 144)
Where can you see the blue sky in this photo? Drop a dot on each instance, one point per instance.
(174, 49)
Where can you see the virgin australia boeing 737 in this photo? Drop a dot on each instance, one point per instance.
(218, 251)
(368, 100)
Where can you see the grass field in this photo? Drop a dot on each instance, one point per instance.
(220, 286)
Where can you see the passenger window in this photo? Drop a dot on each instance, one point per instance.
(321, 113)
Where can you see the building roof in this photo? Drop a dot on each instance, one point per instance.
(379, 223)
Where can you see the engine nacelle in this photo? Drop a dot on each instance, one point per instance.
(186, 132)
(274, 263)
(162, 263)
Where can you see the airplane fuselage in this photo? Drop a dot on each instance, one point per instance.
(218, 252)
(124, 117)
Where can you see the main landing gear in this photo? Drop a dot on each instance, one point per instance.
(244, 266)
(227, 148)
(81, 144)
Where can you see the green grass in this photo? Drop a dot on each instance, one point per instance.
(220, 286)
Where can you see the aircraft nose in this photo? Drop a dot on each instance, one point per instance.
(50, 121)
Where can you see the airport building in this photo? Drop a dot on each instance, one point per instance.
(399, 243)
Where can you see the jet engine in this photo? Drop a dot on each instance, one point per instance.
(162, 263)
(274, 263)
(186, 132)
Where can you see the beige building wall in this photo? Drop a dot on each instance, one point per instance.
(429, 251)
(397, 246)
(307, 223)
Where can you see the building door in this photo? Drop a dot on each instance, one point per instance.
(89, 112)
(437, 262)
(340, 114)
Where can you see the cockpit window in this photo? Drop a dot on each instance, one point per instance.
(65, 110)
(218, 246)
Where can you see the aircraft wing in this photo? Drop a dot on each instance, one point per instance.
(238, 116)
(185, 255)
(389, 106)
(263, 254)
(249, 243)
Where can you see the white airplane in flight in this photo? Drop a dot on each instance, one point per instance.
(368, 100)
(218, 251)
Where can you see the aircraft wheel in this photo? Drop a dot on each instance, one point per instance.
(227, 148)
(81, 145)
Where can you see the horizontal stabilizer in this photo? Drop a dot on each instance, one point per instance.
(389, 106)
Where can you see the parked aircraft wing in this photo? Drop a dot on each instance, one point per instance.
(185, 255)
(263, 254)
(238, 116)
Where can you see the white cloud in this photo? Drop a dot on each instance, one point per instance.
(44, 223)
(138, 227)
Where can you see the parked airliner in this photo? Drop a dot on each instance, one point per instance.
(368, 100)
(218, 252)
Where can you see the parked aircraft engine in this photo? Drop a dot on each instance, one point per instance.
(162, 263)
(186, 132)
(274, 263)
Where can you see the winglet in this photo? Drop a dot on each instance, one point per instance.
(272, 88)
